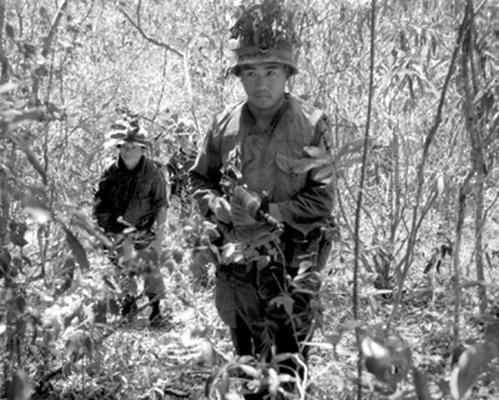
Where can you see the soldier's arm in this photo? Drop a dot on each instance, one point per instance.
(101, 209)
(205, 174)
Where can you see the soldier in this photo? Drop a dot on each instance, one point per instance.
(248, 181)
(130, 206)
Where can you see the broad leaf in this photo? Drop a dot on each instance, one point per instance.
(20, 388)
(421, 385)
(377, 359)
(284, 301)
(208, 354)
(78, 251)
(470, 364)
(8, 87)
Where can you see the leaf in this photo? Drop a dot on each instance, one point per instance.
(334, 338)
(5, 261)
(224, 385)
(43, 12)
(232, 396)
(440, 185)
(262, 262)
(284, 301)
(377, 359)
(421, 385)
(304, 267)
(470, 364)
(228, 250)
(31, 114)
(8, 87)
(20, 388)
(10, 31)
(208, 354)
(79, 343)
(325, 175)
(114, 307)
(249, 370)
(17, 232)
(177, 255)
(350, 325)
(77, 250)
(318, 153)
(351, 147)
(36, 208)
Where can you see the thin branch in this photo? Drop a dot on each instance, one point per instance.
(184, 56)
(361, 191)
(47, 43)
(163, 87)
(426, 148)
(157, 42)
(4, 61)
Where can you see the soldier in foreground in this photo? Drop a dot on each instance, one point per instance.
(246, 179)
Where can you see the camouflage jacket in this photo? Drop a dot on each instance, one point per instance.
(135, 195)
(266, 162)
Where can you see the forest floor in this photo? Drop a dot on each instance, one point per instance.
(139, 362)
(167, 363)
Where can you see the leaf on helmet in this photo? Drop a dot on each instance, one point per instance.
(118, 126)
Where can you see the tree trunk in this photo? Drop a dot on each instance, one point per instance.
(475, 125)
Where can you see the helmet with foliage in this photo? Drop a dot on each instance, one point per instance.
(264, 33)
(128, 130)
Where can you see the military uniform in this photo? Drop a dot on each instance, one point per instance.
(136, 196)
(250, 297)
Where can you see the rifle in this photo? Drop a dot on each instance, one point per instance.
(232, 178)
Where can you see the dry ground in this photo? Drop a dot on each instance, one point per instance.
(137, 362)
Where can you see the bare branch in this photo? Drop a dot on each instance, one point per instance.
(47, 43)
(157, 42)
(4, 76)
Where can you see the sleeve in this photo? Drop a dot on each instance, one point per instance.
(205, 174)
(310, 207)
(101, 210)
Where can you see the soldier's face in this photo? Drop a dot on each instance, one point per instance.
(264, 84)
(131, 154)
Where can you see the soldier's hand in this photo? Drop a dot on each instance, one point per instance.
(220, 208)
(244, 206)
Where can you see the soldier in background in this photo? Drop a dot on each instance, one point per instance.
(130, 206)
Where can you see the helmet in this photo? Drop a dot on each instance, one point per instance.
(263, 34)
(281, 54)
(128, 131)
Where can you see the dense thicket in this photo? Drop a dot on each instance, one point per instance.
(430, 194)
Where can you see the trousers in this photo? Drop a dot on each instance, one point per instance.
(134, 256)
